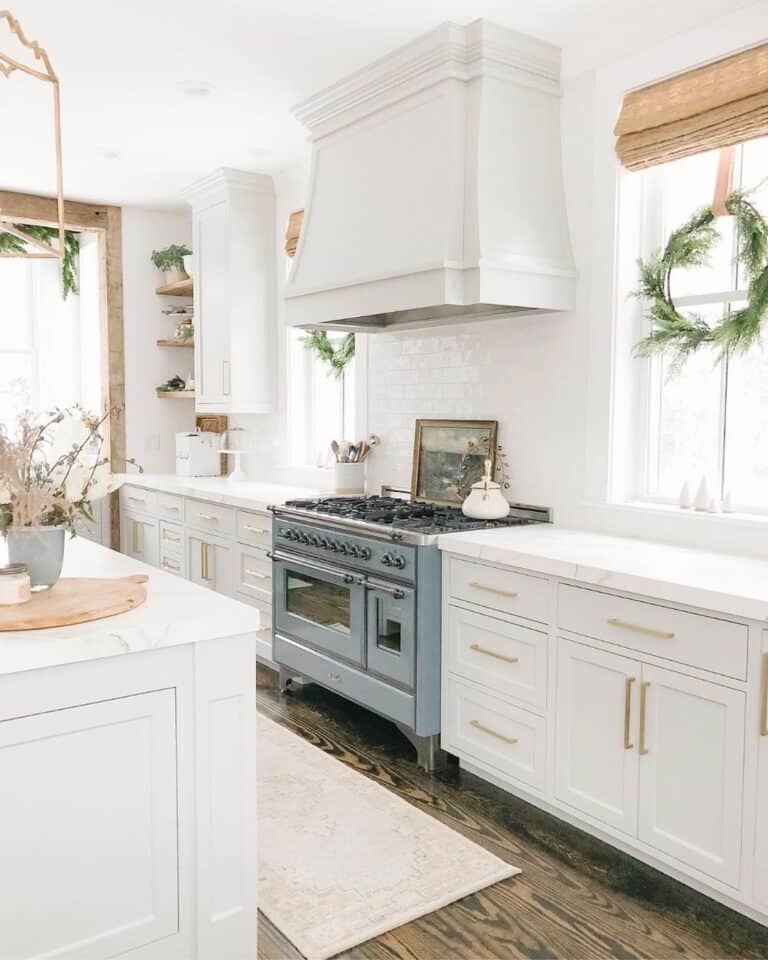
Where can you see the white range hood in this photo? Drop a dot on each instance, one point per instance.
(435, 189)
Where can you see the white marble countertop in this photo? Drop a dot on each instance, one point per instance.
(734, 585)
(236, 493)
(175, 612)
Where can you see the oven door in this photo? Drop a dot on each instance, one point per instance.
(319, 605)
(391, 633)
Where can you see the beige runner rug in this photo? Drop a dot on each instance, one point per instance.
(342, 859)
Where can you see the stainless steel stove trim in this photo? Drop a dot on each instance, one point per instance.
(397, 534)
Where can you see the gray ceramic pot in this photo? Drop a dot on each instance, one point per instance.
(42, 549)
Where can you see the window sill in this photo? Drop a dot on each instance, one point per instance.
(668, 510)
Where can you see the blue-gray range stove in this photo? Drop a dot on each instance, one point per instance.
(356, 592)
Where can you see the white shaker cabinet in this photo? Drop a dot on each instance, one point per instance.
(597, 767)
(761, 725)
(139, 537)
(691, 770)
(111, 766)
(210, 562)
(233, 228)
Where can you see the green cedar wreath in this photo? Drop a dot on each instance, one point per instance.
(337, 357)
(690, 246)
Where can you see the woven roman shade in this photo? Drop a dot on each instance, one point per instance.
(718, 105)
(293, 231)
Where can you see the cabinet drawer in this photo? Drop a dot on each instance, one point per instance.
(211, 517)
(176, 565)
(253, 572)
(255, 529)
(499, 589)
(171, 540)
(138, 500)
(170, 507)
(503, 656)
(478, 726)
(691, 638)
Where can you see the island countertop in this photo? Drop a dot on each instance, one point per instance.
(723, 583)
(175, 612)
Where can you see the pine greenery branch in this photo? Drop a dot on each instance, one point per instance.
(70, 279)
(338, 357)
(690, 245)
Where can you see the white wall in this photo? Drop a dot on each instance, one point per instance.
(151, 423)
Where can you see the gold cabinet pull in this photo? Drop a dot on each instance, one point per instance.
(764, 699)
(492, 733)
(496, 590)
(135, 536)
(204, 561)
(258, 574)
(642, 749)
(637, 628)
(628, 745)
(171, 537)
(137, 499)
(492, 653)
(207, 516)
(255, 529)
(170, 565)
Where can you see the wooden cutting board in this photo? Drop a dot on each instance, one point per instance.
(75, 600)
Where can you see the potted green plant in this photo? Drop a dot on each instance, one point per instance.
(171, 261)
(51, 471)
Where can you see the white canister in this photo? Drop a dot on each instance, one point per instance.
(349, 477)
(15, 585)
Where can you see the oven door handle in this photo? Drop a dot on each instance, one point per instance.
(399, 593)
(276, 557)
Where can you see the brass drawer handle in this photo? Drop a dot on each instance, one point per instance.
(204, 561)
(642, 749)
(171, 537)
(170, 506)
(258, 574)
(492, 653)
(501, 593)
(255, 529)
(170, 565)
(135, 536)
(137, 499)
(637, 628)
(207, 516)
(764, 702)
(492, 733)
(628, 745)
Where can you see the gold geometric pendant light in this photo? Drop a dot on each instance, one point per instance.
(9, 64)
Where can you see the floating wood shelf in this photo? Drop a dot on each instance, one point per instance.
(177, 342)
(182, 288)
(176, 394)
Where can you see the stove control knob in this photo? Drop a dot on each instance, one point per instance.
(387, 559)
(332, 545)
(282, 532)
(365, 553)
(314, 540)
(343, 548)
(303, 538)
(354, 551)
(322, 543)
(398, 562)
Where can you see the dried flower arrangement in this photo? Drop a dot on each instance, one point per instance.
(52, 469)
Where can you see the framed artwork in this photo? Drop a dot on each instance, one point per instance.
(449, 456)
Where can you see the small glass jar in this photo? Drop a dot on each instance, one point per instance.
(15, 585)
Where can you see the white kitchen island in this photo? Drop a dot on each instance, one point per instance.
(128, 777)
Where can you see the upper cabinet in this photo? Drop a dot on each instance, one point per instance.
(233, 231)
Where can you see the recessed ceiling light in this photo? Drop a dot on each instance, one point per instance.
(110, 155)
(199, 91)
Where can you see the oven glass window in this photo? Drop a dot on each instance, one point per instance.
(389, 624)
(325, 604)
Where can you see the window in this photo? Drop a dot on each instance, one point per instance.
(50, 349)
(709, 419)
(321, 407)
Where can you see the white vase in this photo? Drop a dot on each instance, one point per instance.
(686, 501)
(703, 497)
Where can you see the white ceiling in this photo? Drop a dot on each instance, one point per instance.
(132, 135)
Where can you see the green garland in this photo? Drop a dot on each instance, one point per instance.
(69, 262)
(690, 246)
(337, 358)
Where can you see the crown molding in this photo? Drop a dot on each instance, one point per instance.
(220, 183)
(449, 52)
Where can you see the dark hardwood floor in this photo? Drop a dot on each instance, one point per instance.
(576, 897)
